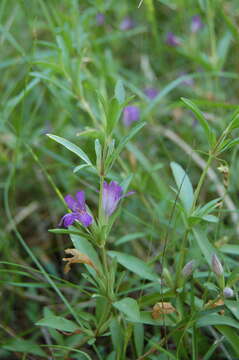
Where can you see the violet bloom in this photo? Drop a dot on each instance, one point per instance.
(127, 23)
(228, 292)
(151, 92)
(130, 114)
(112, 194)
(79, 212)
(172, 40)
(196, 24)
(100, 19)
(188, 81)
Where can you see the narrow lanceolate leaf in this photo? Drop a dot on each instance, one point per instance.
(72, 147)
(135, 265)
(200, 117)
(24, 346)
(119, 92)
(184, 186)
(214, 319)
(204, 245)
(59, 323)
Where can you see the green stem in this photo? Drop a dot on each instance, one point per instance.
(212, 35)
(201, 181)
(181, 261)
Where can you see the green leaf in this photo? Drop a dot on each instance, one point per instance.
(230, 249)
(146, 318)
(184, 186)
(110, 161)
(72, 147)
(135, 265)
(113, 114)
(129, 307)
(228, 144)
(231, 335)
(138, 338)
(119, 92)
(207, 208)
(80, 167)
(214, 319)
(204, 245)
(129, 237)
(59, 323)
(232, 305)
(117, 335)
(84, 246)
(200, 117)
(25, 346)
(98, 152)
(210, 218)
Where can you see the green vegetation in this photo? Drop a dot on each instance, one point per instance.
(134, 103)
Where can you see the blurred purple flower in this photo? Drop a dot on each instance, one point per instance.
(112, 194)
(228, 292)
(127, 23)
(100, 19)
(151, 92)
(130, 114)
(172, 40)
(78, 211)
(188, 81)
(196, 23)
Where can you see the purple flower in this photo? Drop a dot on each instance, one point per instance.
(228, 292)
(172, 40)
(130, 114)
(100, 19)
(196, 23)
(127, 23)
(78, 211)
(151, 92)
(112, 194)
(188, 81)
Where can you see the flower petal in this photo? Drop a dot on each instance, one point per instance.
(85, 218)
(131, 114)
(80, 197)
(112, 193)
(67, 220)
(71, 202)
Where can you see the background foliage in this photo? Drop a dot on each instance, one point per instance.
(57, 62)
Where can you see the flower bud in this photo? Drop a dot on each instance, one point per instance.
(228, 292)
(188, 269)
(216, 265)
(196, 23)
(100, 19)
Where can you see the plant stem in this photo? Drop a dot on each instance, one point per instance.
(201, 181)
